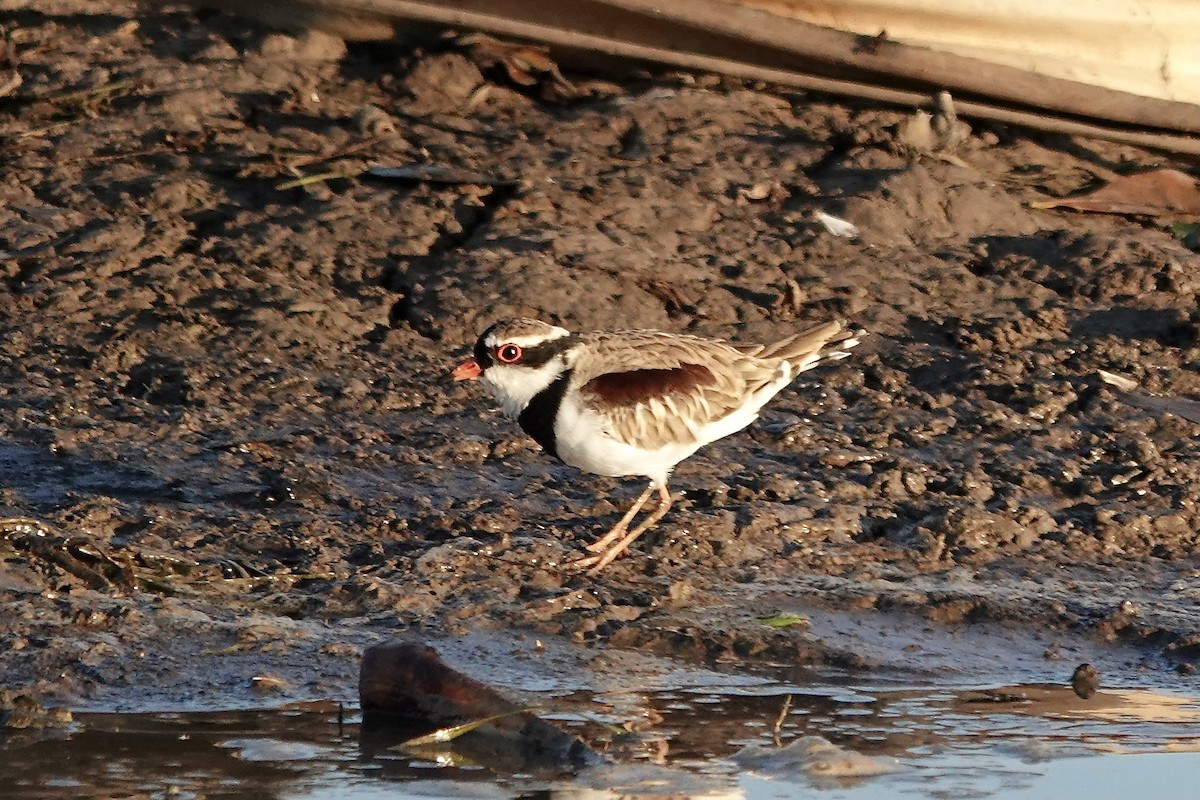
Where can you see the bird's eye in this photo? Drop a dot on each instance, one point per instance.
(508, 353)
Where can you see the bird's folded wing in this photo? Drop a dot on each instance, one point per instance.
(668, 387)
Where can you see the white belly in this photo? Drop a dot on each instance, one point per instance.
(581, 439)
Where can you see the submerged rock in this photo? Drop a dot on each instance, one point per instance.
(814, 756)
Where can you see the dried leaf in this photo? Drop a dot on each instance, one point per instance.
(1156, 193)
(517, 74)
(524, 64)
(533, 58)
(753, 194)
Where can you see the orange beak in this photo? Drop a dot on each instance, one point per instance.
(469, 370)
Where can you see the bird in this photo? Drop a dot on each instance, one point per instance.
(635, 403)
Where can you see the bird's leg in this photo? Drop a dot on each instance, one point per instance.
(599, 562)
(619, 529)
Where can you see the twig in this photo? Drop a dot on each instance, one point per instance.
(308, 180)
(10, 83)
(446, 127)
(33, 250)
(349, 149)
(89, 94)
(783, 712)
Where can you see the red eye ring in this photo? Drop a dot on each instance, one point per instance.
(508, 353)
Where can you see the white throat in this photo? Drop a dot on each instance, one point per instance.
(514, 386)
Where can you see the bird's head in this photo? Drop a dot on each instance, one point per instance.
(517, 359)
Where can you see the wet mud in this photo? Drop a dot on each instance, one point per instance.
(231, 457)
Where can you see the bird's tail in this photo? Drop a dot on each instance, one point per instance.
(804, 350)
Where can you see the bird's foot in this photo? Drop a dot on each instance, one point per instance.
(593, 564)
(605, 542)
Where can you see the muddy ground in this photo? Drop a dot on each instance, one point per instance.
(228, 428)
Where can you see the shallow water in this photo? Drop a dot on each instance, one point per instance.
(736, 740)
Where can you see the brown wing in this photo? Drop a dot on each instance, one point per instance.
(643, 385)
(675, 385)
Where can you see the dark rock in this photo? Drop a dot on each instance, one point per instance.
(408, 682)
(1085, 680)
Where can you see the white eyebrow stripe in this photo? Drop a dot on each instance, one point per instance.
(526, 341)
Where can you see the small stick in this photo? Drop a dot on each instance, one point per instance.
(783, 712)
(350, 149)
(89, 94)
(445, 127)
(311, 179)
